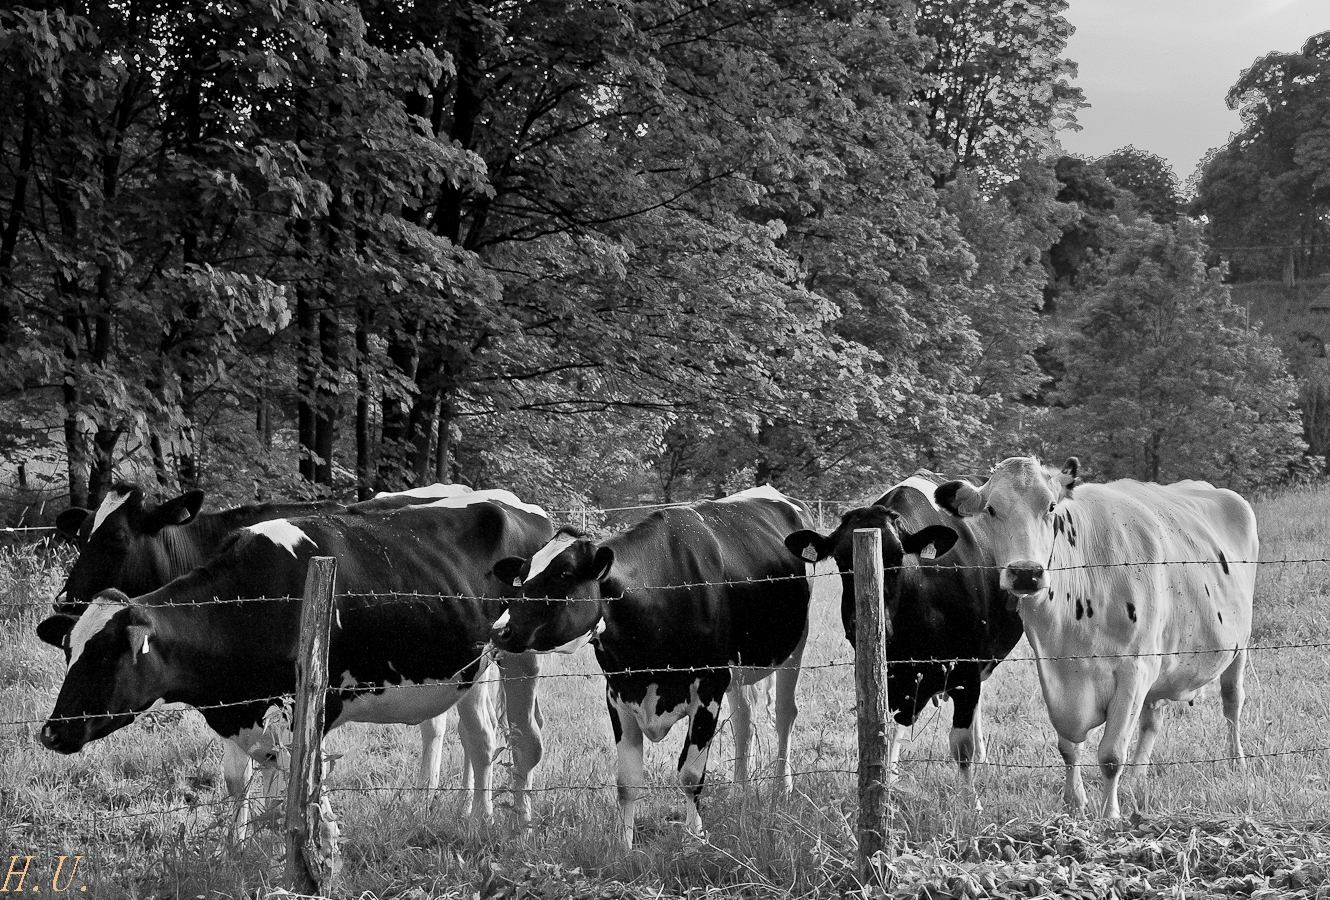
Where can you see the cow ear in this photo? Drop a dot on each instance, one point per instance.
(1068, 476)
(138, 641)
(602, 562)
(509, 570)
(939, 537)
(959, 498)
(70, 521)
(178, 511)
(54, 630)
(808, 545)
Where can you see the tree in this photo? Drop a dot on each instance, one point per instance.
(1163, 379)
(996, 89)
(1148, 178)
(1266, 194)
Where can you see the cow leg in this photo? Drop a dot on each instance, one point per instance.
(1232, 692)
(966, 738)
(1152, 714)
(631, 769)
(521, 706)
(475, 729)
(237, 772)
(431, 751)
(741, 698)
(703, 717)
(1123, 714)
(1073, 791)
(787, 710)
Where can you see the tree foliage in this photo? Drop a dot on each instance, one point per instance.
(1266, 193)
(576, 248)
(1162, 377)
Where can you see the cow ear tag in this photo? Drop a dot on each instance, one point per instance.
(138, 641)
(809, 553)
(517, 582)
(929, 552)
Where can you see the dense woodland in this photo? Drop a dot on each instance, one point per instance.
(599, 252)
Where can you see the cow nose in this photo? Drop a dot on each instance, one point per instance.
(1025, 576)
(50, 740)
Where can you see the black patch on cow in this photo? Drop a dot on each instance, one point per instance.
(615, 725)
(1131, 610)
(1223, 562)
(1221, 616)
(1089, 608)
(1080, 610)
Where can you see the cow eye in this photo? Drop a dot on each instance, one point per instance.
(1052, 506)
(990, 510)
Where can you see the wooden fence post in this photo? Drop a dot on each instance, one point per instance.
(870, 682)
(304, 814)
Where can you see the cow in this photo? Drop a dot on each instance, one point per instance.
(137, 548)
(706, 589)
(395, 655)
(942, 602)
(1131, 594)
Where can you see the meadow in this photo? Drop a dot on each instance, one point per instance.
(146, 810)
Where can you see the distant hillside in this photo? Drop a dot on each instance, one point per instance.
(1284, 314)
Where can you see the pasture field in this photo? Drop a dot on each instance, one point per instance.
(145, 807)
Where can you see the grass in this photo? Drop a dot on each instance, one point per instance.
(145, 807)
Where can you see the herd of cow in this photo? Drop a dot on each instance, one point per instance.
(1131, 594)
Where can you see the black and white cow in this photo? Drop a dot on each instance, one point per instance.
(136, 547)
(705, 588)
(943, 602)
(1131, 594)
(393, 657)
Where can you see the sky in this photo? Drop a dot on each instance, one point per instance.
(1155, 72)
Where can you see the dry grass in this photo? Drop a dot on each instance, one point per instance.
(1193, 827)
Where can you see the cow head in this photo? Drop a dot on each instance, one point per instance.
(122, 545)
(1020, 498)
(900, 549)
(559, 604)
(113, 673)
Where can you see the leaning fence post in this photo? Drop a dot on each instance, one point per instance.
(304, 810)
(870, 681)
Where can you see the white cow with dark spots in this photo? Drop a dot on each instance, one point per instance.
(1131, 594)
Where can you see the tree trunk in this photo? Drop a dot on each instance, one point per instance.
(306, 378)
(9, 238)
(364, 462)
(325, 412)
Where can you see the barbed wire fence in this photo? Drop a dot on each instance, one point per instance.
(871, 770)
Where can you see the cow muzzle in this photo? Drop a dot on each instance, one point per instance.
(61, 741)
(1024, 578)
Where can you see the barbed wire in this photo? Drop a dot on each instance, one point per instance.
(353, 691)
(384, 597)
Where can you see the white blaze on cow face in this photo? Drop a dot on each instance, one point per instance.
(282, 533)
(550, 552)
(114, 500)
(93, 620)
